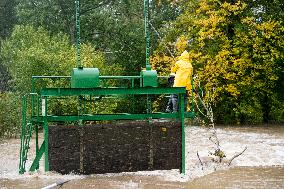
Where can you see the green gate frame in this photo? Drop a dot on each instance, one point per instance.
(36, 120)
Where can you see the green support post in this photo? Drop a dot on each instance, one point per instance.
(192, 96)
(22, 164)
(37, 147)
(149, 78)
(147, 33)
(35, 164)
(181, 113)
(45, 126)
(36, 129)
(78, 45)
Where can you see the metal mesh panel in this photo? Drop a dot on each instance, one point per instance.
(118, 147)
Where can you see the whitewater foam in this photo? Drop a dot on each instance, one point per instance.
(263, 149)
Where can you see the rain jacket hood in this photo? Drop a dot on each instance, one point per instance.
(183, 69)
(184, 56)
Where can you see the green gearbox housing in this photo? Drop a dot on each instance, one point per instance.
(85, 78)
(149, 78)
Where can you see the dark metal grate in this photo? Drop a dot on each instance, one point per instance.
(118, 147)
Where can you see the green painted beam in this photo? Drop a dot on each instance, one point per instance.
(110, 91)
(181, 110)
(35, 163)
(109, 117)
(101, 77)
(102, 117)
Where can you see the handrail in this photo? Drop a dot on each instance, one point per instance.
(131, 79)
(101, 77)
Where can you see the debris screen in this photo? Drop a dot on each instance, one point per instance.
(117, 147)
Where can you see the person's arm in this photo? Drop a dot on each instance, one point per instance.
(174, 68)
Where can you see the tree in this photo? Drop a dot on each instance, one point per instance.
(116, 28)
(8, 19)
(109, 25)
(238, 59)
(34, 51)
(54, 16)
(266, 10)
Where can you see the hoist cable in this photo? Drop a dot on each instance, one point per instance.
(159, 36)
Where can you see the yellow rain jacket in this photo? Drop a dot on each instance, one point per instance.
(183, 69)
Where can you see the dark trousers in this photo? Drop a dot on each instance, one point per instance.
(172, 105)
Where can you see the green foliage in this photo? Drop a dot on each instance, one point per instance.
(267, 10)
(117, 29)
(8, 17)
(9, 117)
(34, 51)
(31, 51)
(238, 56)
(114, 27)
(46, 14)
(237, 47)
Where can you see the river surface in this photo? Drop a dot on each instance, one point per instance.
(260, 166)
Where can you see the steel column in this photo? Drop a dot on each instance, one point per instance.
(45, 127)
(181, 113)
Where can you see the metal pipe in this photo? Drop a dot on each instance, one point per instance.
(147, 33)
(101, 77)
(78, 43)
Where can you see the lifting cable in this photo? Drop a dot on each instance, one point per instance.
(159, 36)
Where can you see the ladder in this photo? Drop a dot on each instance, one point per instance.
(27, 129)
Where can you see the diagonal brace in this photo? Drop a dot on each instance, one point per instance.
(35, 163)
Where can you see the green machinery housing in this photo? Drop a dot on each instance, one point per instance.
(87, 83)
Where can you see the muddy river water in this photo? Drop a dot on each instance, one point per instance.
(260, 166)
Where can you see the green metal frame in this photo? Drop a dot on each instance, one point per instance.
(36, 120)
(38, 96)
(110, 91)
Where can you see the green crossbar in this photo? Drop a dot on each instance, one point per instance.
(109, 117)
(110, 91)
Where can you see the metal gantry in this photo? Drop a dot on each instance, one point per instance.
(35, 105)
(40, 118)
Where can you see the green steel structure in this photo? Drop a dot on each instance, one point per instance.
(35, 114)
(87, 83)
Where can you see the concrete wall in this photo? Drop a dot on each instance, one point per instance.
(117, 147)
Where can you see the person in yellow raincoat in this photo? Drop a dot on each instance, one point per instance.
(183, 75)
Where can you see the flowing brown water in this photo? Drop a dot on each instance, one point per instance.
(261, 165)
